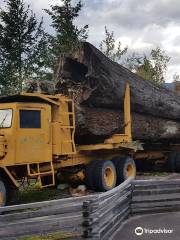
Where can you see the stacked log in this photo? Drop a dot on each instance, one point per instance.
(97, 85)
(96, 124)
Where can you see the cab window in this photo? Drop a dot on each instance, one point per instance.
(30, 119)
(5, 118)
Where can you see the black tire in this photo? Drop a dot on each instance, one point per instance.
(171, 163)
(122, 164)
(3, 193)
(89, 174)
(104, 176)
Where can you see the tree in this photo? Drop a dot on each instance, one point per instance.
(68, 35)
(133, 62)
(160, 61)
(108, 47)
(146, 70)
(141, 65)
(22, 39)
(152, 68)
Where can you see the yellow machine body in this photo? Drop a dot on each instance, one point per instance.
(44, 144)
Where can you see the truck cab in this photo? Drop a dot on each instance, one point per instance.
(25, 133)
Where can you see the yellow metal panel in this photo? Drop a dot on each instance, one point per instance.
(57, 142)
(127, 113)
(34, 145)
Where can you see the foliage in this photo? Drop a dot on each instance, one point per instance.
(68, 35)
(22, 40)
(108, 47)
(160, 61)
(152, 68)
(146, 70)
(133, 62)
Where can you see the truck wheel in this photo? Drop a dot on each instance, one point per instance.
(125, 168)
(104, 176)
(89, 174)
(3, 194)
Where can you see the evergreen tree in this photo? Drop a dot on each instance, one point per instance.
(22, 46)
(107, 46)
(68, 35)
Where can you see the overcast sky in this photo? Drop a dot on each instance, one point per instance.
(140, 24)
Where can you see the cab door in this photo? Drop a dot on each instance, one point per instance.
(34, 143)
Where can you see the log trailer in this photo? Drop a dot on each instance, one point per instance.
(37, 142)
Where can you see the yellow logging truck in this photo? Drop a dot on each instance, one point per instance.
(37, 142)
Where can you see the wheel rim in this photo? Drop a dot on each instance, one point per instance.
(109, 176)
(130, 170)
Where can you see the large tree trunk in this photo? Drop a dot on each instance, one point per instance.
(97, 86)
(101, 83)
(96, 124)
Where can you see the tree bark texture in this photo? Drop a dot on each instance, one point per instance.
(102, 84)
(96, 124)
(97, 86)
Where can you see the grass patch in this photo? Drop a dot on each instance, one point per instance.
(52, 236)
(35, 194)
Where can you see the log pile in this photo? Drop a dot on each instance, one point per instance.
(97, 86)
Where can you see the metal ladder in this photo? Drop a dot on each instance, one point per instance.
(71, 126)
(41, 174)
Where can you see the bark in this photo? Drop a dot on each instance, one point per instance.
(97, 86)
(101, 82)
(94, 125)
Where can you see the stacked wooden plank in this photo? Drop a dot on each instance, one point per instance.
(153, 196)
(61, 215)
(104, 214)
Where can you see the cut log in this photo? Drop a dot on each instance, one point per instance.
(101, 82)
(94, 125)
(97, 86)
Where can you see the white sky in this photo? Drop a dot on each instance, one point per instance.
(140, 24)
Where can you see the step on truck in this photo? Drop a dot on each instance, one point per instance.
(37, 142)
